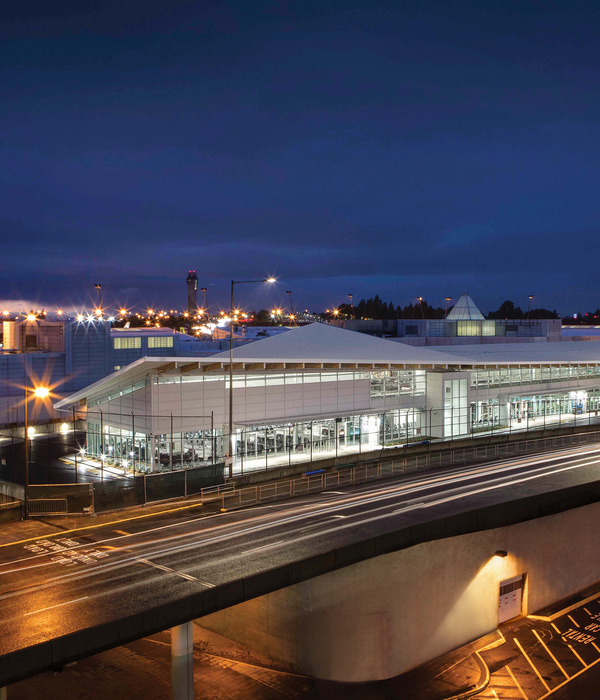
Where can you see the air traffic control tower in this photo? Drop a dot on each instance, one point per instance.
(192, 289)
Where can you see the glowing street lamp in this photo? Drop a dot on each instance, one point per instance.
(269, 280)
(40, 392)
(448, 300)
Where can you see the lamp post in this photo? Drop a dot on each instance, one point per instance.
(351, 305)
(233, 283)
(292, 316)
(98, 287)
(448, 300)
(40, 392)
(420, 299)
(530, 297)
(203, 290)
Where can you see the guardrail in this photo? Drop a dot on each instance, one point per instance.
(260, 493)
(147, 489)
(47, 506)
(9, 505)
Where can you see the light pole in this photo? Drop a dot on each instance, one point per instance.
(530, 297)
(233, 283)
(420, 299)
(292, 317)
(448, 300)
(40, 392)
(203, 290)
(98, 288)
(351, 305)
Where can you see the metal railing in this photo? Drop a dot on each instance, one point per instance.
(361, 473)
(162, 487)
(48, 506)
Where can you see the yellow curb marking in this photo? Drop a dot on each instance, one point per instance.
(93, 527)
(516, 682)
(537, 673)
(565, 674)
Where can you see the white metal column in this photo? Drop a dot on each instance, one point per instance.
(182, 662)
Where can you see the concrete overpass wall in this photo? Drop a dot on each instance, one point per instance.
(383, 616)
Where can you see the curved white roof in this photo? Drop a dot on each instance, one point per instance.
(320, 342)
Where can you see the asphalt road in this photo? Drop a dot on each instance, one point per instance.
(68, 582)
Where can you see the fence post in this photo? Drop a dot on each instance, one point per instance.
(145, 498)
(185, 483)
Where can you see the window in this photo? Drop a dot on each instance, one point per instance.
(160, 341)
(127, 343)
(116, 367)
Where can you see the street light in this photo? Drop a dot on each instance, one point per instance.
(234, 282)
(530, 297)
(351, 305)
(40, 392)
(292, 316)
(448, 300)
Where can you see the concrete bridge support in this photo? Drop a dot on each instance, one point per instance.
(385, 615)
(182, 662)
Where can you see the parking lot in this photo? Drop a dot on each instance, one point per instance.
(542, 654)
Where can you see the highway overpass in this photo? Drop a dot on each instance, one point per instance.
(420, 547)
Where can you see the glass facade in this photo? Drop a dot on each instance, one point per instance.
(517, 376)
(456, 410)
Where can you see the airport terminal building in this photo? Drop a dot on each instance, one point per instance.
(319, 390)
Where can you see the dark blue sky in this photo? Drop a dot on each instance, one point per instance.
(403, 148)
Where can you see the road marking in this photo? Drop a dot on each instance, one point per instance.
(272, 544)
(565, 674)
(495, 693)
(516, 682)
(492, 467)
(583, 670)
(68, 602)
(122, 532)
(577, 655)
(573, 621)
(595, 647)
(537, 673)
(181, 574)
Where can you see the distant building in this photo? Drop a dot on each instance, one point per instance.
(72, 354)
(465, 325)
(192, 290)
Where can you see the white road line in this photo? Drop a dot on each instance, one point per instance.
(56, 606)
(181, 574)
(383, 494)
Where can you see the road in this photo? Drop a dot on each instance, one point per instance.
(72, 581)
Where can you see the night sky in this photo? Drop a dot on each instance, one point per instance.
(406, 148)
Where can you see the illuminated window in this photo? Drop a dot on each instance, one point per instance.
(127, 343)
(160, 341)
